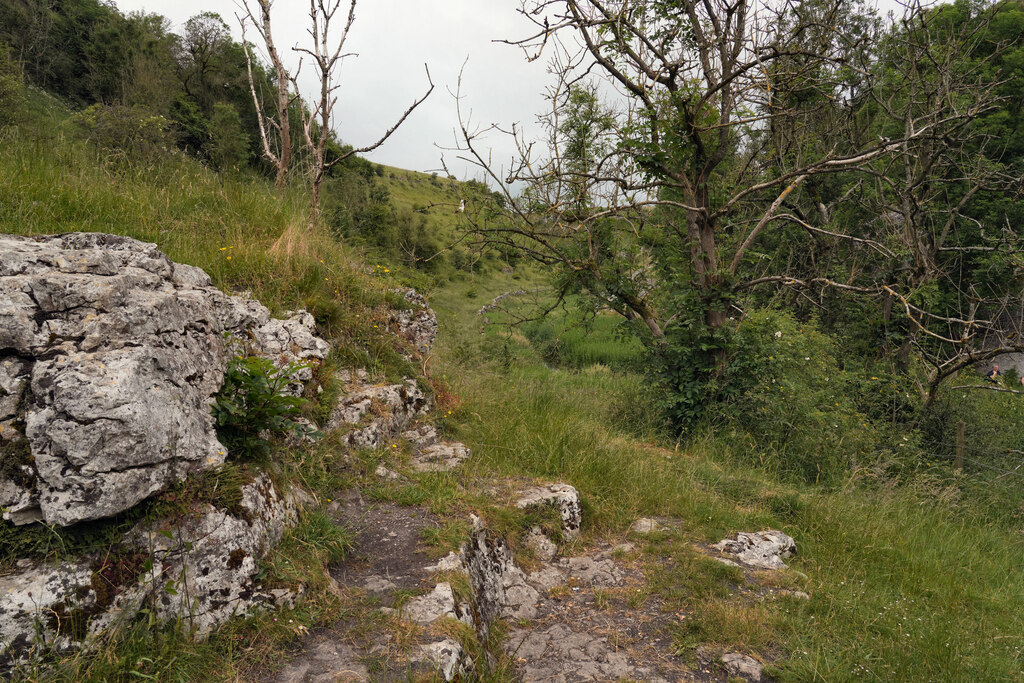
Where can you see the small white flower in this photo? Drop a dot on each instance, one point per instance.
(778, 334)
(807, 358)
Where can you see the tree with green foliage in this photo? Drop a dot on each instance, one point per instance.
(229, 145)
(734, 129)
(12, 98)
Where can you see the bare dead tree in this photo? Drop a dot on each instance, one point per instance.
(318, 119)
(279, 128)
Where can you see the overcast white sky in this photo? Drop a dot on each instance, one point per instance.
(394, 38)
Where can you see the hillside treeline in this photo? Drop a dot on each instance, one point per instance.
(141, 89)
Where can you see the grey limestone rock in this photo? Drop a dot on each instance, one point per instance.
(558, 653)
(741, 665)
(440, 602)
(543, 547)
(328, 661)
(452, 562)
(203, 572)
(646, 526)
(111, 355)
(763, 549)
(53, 608)
(593, 571)
(421, 436)
(386, 474)
(440, 457)
(562, 496)
(385, 408)
(417, 326)
(448, 657)
(215, 556)
(500, 588)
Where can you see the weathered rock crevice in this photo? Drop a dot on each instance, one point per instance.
(113, 354)
(120, 351)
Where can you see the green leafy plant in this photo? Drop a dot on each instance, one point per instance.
(253, 402)
(127, 136)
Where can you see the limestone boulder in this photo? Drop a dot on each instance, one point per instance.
(762, 549)
(379, 411)
(202, 570)
(417, 325)
(500, 587)
(111, 354)
(563, 497)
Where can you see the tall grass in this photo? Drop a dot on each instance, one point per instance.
(906, 585)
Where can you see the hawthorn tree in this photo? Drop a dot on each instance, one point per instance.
(733, 123)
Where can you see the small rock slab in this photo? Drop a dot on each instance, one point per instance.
(440, 457)
(452, 562)
(763, 549)
(646, 526)
(328, 661)
(440, 602)
(741, 665)
(563, 496)
(448, 658)
(558, 653)
(544, 549)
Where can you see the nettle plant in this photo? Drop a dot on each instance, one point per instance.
(254, 403)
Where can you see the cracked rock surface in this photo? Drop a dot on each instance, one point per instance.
(203, 572)
(562, 496)
(111, 354)
(763, 549)
(379, 411)
(416, 326)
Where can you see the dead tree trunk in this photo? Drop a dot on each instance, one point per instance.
(282, 158)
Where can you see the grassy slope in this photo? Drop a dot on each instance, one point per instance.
(904, 588)
(248, 240)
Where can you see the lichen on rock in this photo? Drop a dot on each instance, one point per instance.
(111, 356)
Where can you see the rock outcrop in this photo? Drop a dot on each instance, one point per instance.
(763, 549)
(202, 571)
(110, 354)
(416, 326)
(375, 412)
(564, 498)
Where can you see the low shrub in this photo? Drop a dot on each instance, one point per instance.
(12, 95)
(128, 136)
(253, 403)
(785, 397)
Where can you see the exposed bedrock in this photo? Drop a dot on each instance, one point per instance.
(110, 354)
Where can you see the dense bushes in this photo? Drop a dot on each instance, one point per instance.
(129, 136)
(12, 99)
(787, 388)
(783, 395)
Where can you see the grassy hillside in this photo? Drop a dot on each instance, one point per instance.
(907, 582)
(911, 580)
